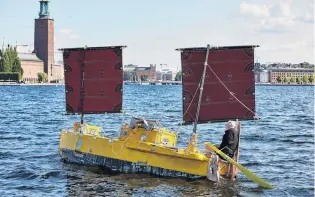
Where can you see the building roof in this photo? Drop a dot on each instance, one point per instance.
(143, 68)
(29, 57)
(291, 69)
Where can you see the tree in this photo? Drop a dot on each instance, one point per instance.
(298, 80)
(6, 62)
(279, 79)
(293, 80)
(10, 61)
(16, 63)
(178, 76)
(311, 78)
(127, 75)
(305, 79)
(42, 77)
(1, 60)
(144, 77)
(285, 80)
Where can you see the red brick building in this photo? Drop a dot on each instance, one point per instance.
(31, 65)
(44, 38)
(150, 72)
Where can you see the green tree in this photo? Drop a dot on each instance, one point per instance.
(293, 80)
(127, 76)
(298, 80)
(279, 79)
(10, 61)
(285, 80)
(144, 77)
(178, 76)
(7, 63)
(16, 63)
(311, 78)
(1, 60)
(305, 79)
(42, 77)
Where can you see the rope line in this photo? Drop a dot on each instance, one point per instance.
(192, 98)
(231, 93)
(123, 145)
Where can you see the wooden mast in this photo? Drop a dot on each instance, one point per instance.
(82, 93)
(201, 90)
(193, 141)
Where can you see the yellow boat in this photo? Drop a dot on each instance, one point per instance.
(93, 84)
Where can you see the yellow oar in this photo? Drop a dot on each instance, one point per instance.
(247, 172)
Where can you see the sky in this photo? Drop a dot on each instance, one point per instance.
(152, 30)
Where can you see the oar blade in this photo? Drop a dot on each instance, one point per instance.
(250, 175)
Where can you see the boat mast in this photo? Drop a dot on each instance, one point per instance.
(201, 89)
(82, 93)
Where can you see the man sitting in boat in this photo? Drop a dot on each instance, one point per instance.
(229, 141)
(139, 121)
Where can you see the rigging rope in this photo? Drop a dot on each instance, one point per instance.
(193, 98)
(231, 93)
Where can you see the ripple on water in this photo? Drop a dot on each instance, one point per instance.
(279, 147)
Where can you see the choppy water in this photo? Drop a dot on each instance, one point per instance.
(279, 148)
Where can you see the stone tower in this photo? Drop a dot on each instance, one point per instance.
(44, 38)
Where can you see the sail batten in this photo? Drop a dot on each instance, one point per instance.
(93, 79)
(234, 66)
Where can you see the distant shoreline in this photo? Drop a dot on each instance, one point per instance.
(280, 84)
(57, 84)
(30, 84)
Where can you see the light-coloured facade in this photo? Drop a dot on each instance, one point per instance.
(166, 74)
(57, 73)
(31, 65)
(264, 77)
(257, 78)
(289, 73)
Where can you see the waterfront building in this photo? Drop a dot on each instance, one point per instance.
(150, 72)
(130, 67)
(57, 74)
(264, 76)
(31, 65)
(257, 78)
(44, 38)
(166, 74)
(289, 73)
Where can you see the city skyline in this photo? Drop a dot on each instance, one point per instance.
(153, 30)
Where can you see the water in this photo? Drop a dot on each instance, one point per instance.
(279, 148)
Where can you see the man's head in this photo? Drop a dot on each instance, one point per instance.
(230, 125)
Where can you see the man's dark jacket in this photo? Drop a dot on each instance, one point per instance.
(229, 142)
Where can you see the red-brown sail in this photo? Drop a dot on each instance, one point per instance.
(93, 79)
(234, 66)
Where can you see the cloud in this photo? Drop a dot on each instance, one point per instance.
(276, 17)
(66, 31)
(279, 24)
(255, 10)
(69, 34)
(292, 46)
(74, 36)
